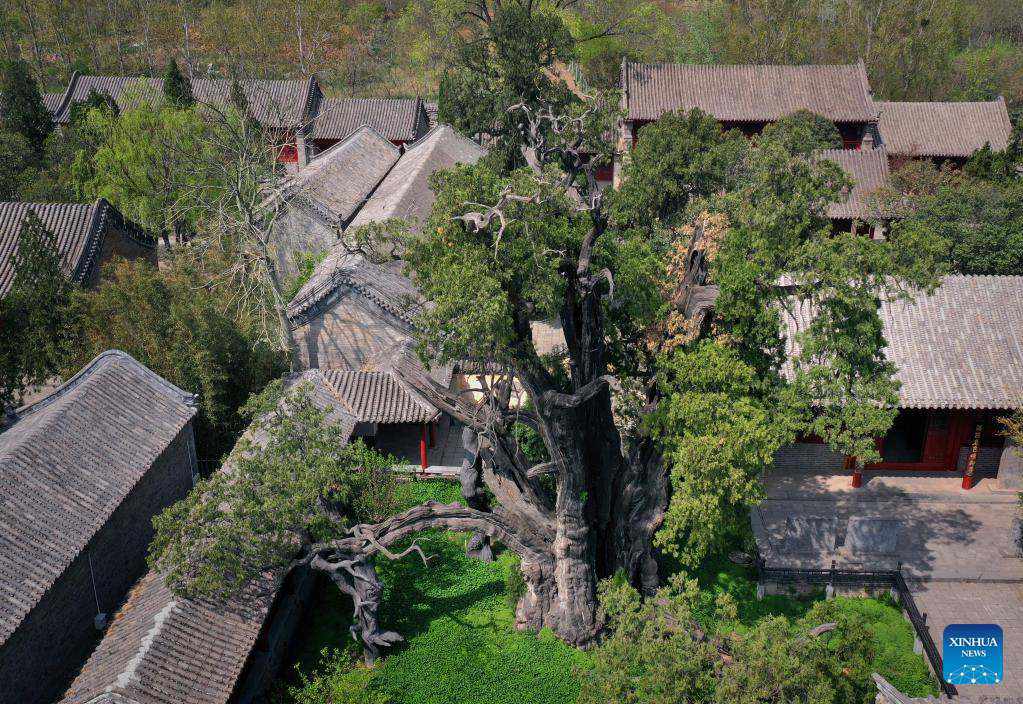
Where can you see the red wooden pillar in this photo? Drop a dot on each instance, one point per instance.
(857, 473)
(971, 459)
(422, 448)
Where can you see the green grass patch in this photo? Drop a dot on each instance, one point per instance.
(461, 643)
(894, 658)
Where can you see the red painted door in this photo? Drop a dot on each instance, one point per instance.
(936, 441)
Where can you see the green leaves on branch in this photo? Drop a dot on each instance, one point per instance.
(658, 653)
(292, 480)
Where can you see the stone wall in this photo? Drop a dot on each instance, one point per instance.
(347, 333)
(119, 240)
(44, 654)
(808, 457)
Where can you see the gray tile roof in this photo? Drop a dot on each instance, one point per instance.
(405, 192)
(748, 93)
(961, 347)
(378, 397)
(382, 284)
(68, 461)
(123, 89)
(78, 229)
(943, 129)
(340, 179)
(868, 169)
(279, 103)
(397, 119)
(164, 649)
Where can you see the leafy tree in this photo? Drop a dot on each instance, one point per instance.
(176, 88)
(15, 158)
(513, 46)
(36, 313)
(651, 654)
(781, 661)
(503, 250)
(141, 164)
(180, 330)
(294, 487)
(977, 222)
(804, 132)
(987, 71)
(685, 158)
(657, 652)
(21, 106)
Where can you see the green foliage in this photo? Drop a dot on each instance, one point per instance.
(21, 106)
(342, 680)
(176, 87)
(15, 158)
(650, 655)
(180, 330)
(462, 643)
(719, 435)
(503, 63)
(681, 158)
(804, 132)
(779, 660)
(293, 480)
(992, 69)
(778, 230)
(978, 222)
(35, 314)
(144, 164)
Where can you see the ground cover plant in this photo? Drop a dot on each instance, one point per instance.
(462, 645)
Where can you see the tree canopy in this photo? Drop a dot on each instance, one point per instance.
(35, 314)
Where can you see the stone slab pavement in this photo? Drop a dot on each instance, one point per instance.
(973, 602)
(954, 546)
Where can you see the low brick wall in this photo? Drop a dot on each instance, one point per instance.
(808, 457)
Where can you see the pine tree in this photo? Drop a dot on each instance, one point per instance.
(35, 313)
(176, 88)
(21, 106)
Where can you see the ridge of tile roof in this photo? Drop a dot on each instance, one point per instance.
(959, 347)
(748, 93)
(277, 102)
(68, 460)
(943, 129)
(378, 397)
(338, 181)
(382, 284)
(405, 191)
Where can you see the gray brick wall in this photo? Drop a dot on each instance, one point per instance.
(808, 457)
(43, 656)
(347, 334)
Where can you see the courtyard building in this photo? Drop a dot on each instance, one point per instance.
(84, 471)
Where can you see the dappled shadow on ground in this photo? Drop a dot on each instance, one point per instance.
(807, 523)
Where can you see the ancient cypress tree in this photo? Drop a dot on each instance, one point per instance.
(176, 87)
(21, 106)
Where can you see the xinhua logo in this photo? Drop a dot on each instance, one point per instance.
(971, 653)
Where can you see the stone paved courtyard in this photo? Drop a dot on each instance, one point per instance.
(954, 545)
